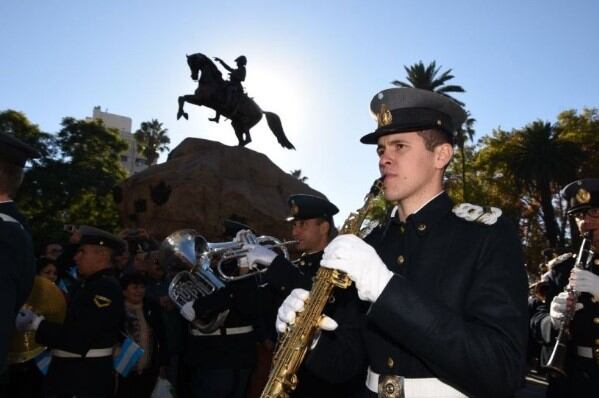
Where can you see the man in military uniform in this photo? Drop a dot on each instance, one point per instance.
(446, 285)
(82, 347)
(313, 227)
(16, 250)
(582, 360)
(233, 89)
(220, 359)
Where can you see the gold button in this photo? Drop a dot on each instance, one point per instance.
(390, 362)
(593, 299)
(596, 341)
(401, 260)
(596, 321)
(596, 261)
(402, 229)
(421, 227)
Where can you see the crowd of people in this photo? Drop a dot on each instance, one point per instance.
(438, 307)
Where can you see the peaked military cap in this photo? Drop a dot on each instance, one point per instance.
(99, 237)
(406, 109)
(16, 151)
(581, 195)
(304, 207)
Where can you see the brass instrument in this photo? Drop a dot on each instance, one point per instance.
(192, 261)
(557, 361)
(293, 344)
(45, 299)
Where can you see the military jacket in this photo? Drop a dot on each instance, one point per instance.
(582, 373)
(94, 318)
(17, 270)
(456, 308)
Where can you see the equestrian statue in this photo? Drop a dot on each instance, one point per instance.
(227, 98)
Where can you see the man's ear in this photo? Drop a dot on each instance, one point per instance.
(443, 154)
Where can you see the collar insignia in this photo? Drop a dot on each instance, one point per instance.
(101, 301)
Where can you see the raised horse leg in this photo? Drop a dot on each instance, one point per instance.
(182, 101)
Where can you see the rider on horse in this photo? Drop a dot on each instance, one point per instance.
(234, 89)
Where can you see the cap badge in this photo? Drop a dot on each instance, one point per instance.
(384, 117)
(583, 196)
(294, 209)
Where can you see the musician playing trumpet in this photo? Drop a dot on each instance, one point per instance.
(581, 364)
(445, 285)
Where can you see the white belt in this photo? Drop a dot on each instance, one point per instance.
(227, 331)
(94, 353)
(585, 352)
(417, 388)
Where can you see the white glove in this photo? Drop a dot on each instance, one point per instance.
(257, 254)
(27, 320)
(359, 260)
(244, 236)
(560, 310)
(293, 304)
(585, 282)
(188, 312)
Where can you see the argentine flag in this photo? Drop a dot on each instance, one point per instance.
(128, 356)
(43, 361)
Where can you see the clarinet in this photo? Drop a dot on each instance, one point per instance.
(557, 360)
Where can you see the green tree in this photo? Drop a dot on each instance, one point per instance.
(75, 185)
(539, 162)
(428, 78)
(16, 124)
(152, 140)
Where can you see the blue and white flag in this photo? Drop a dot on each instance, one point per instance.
(43, 361)
(128, 356)
(63, 286)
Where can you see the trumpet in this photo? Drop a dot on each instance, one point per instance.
(192, 261)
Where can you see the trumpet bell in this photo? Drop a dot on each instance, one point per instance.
(178, 251)
(45, 299)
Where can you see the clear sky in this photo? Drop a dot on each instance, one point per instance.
(316, 64)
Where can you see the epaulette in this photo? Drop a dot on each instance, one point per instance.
(559, 259)
(483, 215)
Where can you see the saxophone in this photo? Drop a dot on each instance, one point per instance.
(293, 344)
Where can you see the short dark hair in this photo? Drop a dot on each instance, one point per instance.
(11, 177)
(133, 278)
(433, 138)
(332, 233)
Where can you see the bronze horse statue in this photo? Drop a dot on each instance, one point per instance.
(211, 92)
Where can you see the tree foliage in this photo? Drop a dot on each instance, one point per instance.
(428, 78)
(152, 139)
(72, 183)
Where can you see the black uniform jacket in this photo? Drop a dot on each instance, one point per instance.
(456, 309)
(226, 351)
(17, 269)
(94, 319)
(583, 373)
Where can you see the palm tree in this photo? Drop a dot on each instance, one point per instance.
(427, 78)
(464, 133)
(541, 161)
(152, 139)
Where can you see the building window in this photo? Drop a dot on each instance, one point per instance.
(124, 159)
(140, 162)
